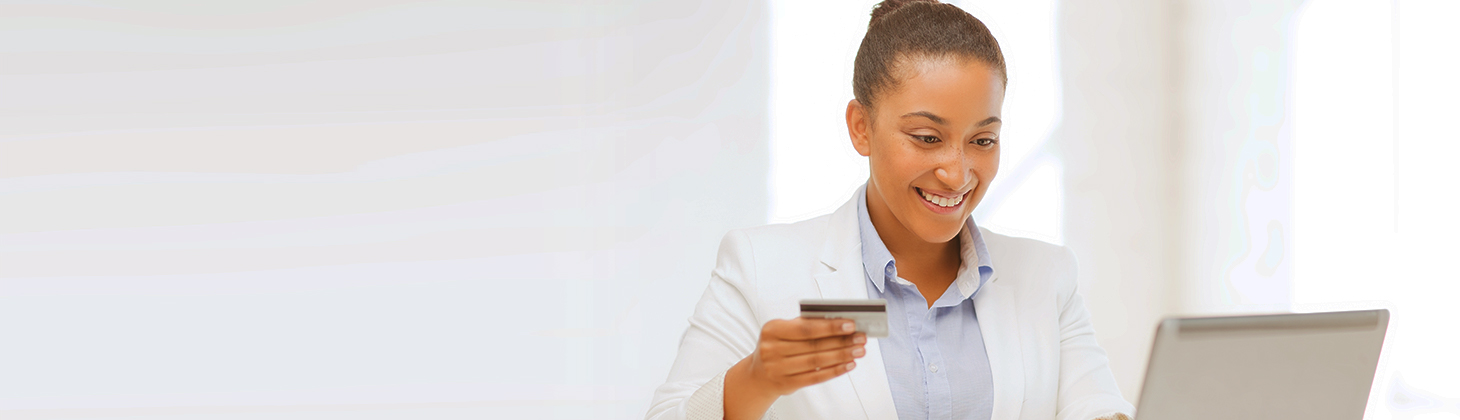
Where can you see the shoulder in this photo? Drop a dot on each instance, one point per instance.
(774, 265)
(1031, 264)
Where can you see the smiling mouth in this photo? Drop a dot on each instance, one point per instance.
(941, 201)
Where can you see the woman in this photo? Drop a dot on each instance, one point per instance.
(981, 325)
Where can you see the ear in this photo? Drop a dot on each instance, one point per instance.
(859, 127)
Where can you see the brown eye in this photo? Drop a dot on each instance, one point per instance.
(927, 139)
(985, 142)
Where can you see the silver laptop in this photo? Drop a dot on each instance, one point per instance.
(1289, 366)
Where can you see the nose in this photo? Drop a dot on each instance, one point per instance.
(955, 169)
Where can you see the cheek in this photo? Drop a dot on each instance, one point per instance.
(892, 162)
(988, 169)
(985, 165)
(985, 169)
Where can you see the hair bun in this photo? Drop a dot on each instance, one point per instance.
(886, 7)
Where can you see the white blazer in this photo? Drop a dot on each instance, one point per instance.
(1036, 330)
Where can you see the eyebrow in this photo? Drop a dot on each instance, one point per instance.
(939, 120)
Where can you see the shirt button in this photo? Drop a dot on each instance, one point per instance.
(933, 367)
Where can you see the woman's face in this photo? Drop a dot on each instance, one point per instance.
(933, 143)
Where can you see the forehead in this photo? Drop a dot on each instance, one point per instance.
(957, 89)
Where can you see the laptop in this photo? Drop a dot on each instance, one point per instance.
(1287, 366)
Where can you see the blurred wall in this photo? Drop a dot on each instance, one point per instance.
(445, 209)
(1118, 144)
(1177, 149)
(1236, 154)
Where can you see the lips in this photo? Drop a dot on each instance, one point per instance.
(940, 200)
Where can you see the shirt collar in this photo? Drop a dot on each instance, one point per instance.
(881, 267)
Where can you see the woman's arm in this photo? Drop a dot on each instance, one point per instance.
(721, 332)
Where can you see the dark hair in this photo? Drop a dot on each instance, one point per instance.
(910, 29)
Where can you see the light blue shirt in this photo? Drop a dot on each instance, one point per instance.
(936, 363)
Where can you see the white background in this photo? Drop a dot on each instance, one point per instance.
(365, 209)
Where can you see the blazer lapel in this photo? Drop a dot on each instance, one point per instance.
(842, 255)
(999, 320)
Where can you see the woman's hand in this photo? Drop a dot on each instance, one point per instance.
(800, 352)
(792, 354)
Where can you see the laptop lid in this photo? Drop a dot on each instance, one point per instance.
(1287, 366)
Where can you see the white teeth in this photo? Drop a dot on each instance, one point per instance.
(941, 201)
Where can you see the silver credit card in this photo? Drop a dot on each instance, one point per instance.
(869, 314)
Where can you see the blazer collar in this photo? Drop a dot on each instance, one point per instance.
(998, 320)
(842, 249)
(842, 254)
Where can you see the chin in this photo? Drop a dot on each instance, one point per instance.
(938, 232)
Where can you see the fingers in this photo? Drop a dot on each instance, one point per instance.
(821, 360)
(786, 348)
(818, 376)
(794, 353)
(808, 328)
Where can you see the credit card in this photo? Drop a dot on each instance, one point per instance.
(869, 314)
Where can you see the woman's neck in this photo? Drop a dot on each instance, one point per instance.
(918, 261)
